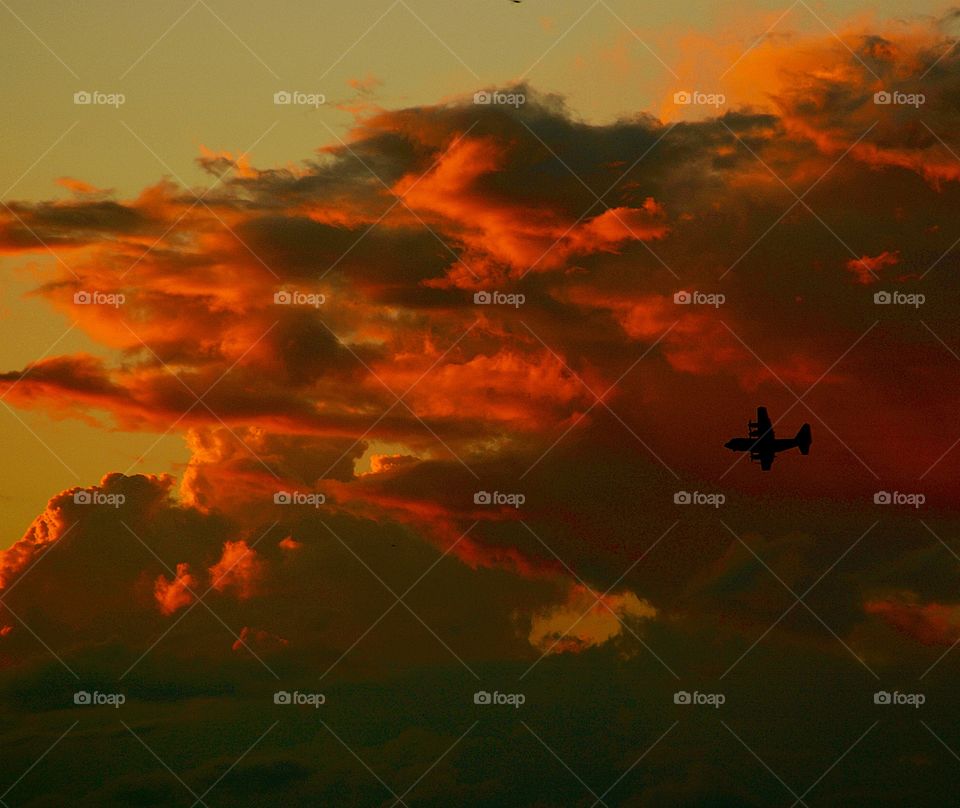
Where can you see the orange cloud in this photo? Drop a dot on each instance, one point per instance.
(583, 623)
(262, 641)
(173, 595)
(927, 623)
(239, 569)
(866, 267)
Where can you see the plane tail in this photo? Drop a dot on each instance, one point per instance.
(804, 439)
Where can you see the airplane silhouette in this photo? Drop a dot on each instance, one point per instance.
(763, 445)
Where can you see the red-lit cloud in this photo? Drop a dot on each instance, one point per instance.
(581, 380)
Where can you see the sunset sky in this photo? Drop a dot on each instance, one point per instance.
(324, 374)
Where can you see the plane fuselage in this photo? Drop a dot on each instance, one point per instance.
(763, 444)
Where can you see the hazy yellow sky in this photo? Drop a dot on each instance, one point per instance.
(197, 73)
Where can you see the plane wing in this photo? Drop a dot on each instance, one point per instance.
(763, 420)
(766, 460)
